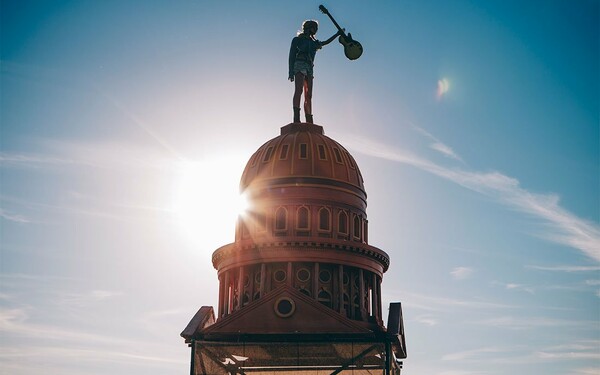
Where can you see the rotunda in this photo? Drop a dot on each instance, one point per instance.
(306, 227)
(300, 287)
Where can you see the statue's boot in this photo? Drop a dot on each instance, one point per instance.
(309, 118)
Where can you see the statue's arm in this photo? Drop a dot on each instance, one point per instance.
(292, 57)
(330, 39)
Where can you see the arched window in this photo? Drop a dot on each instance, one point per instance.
(281, 219)
(343, 222)
(324, 219)
(303, 151)
(302, 218)
(356, 227)
(268, 154)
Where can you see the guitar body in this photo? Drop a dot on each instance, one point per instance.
(352, 48)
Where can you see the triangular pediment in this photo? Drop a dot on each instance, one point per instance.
(285, 310)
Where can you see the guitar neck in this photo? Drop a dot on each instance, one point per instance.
(335, 23)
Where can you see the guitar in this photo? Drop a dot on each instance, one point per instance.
(352, 48)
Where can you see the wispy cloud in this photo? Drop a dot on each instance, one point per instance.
(527, 354)
(96, 354)
(13, 217)
(586, 371)
(83, 299)
(519, 323)
(470, 354)
(461, 273)
(516, 287)
(567, 268)
(15, 321)
(34, 159)
(97, 154)
(21, 279)
(436, 303)
(160, 321)
(428, 320)
(584, 349)
(50, 346)
(513, 286)
(436, 144)
(560, 225)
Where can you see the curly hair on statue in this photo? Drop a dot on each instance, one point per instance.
(307, 24)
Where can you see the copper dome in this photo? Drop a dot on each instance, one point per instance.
(303, 154)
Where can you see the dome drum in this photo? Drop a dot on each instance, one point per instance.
(302, 218)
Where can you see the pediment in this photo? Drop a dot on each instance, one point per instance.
(285, 310)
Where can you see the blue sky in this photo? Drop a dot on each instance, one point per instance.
(125, 126)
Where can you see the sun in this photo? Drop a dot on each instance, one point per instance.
(207, 201)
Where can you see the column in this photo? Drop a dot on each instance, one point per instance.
(240, 288)
(263, 276)
(341, 294)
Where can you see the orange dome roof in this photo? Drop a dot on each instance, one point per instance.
(302, 153)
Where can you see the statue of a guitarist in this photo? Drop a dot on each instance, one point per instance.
(301, 62)
(302, 56)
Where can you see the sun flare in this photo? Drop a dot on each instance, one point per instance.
(442, 87)
(207, 200)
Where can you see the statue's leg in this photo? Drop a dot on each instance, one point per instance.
(298, 87)
(308, 87)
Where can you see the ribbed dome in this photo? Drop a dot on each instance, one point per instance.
(302, 153)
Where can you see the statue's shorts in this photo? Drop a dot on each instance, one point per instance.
(303, 67)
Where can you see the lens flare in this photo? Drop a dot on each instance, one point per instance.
(442, 87)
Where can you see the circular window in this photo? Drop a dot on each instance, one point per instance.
(284, 307)
(279, 276)
(324, 276)
(303, 274)
(257, 277)
(346, 279)
(246, 281)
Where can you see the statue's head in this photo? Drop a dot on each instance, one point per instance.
(310, 27)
